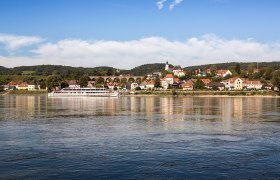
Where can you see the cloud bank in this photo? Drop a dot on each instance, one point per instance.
(12, 42)
(128, 54)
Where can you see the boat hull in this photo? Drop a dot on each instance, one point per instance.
(82, 95)
(83, 92)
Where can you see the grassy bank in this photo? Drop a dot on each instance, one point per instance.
(207, 93)
(26, 92)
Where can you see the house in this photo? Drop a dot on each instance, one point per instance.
(22, 86)
(178, 71)
(206, 82)
(223, 73)
(31, 87)
(143, 85)
(150, 84)
(110, 85)
(154, 75)
(73, 84)
(164, 83)
(133, 86)
(216, 86)
(268, 86)
(235, 83)
(208, 71)
(168, 80)
(188, 85)
(199, 73)
(9, 87)
(254, 84)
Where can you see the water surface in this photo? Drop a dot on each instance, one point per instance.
(139, 138)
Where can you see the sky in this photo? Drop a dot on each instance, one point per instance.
(128, 33)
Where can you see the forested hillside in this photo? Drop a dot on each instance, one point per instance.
(65, 71)
(147, 69)
(274, 65)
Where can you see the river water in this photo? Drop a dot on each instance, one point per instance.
(139, 138)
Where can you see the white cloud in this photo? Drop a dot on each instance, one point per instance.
(128, 54)
(174, 3)
(160, 4)
(12, 42)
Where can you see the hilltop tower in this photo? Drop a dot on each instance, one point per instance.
(166, 66)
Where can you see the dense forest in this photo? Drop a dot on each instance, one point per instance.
(65, 71)
(147, 69)
(243, 65)
(71, 72)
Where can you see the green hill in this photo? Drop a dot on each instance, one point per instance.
(5, 71)
(147, 69)
(274, 65)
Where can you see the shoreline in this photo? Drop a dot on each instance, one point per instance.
(170, 93)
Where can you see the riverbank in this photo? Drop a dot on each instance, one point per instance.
(204, 93)
(167, 93)
(23, 92)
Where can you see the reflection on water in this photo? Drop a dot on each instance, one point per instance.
(139, 137)
(198, 108)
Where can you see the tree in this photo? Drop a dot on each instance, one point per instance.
(276, 79)
(213, 69)
(251, 68)
(64, 84)
(109, 72)
(100, 80)
(237, 68)
(53, 81)
(199, 84)
(157, 83)
(83, 81)
(268, 73)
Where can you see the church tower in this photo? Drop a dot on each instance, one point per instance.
(166, 66)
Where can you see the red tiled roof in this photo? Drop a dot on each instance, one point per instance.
(152, 82)
(222, 71)
(206, 81)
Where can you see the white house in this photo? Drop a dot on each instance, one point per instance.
(150, 84)
(223, 73)
(31, 87)
(177, 71)
(241, 83)
(134, 86)
(254, 85)
(235, 83)
(143, 85)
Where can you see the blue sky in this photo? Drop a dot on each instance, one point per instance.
(30, 29)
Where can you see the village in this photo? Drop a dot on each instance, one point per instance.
(171, 77)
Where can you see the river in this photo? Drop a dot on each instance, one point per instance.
(139, 138)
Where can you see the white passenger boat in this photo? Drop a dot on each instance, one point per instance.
(74, 92)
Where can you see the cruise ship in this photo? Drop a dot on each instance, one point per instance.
(82, 92)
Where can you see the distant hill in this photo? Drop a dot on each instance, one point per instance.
(64, 70)
(275, 65)
(147, 69)
(5, 71)
(72, 72)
